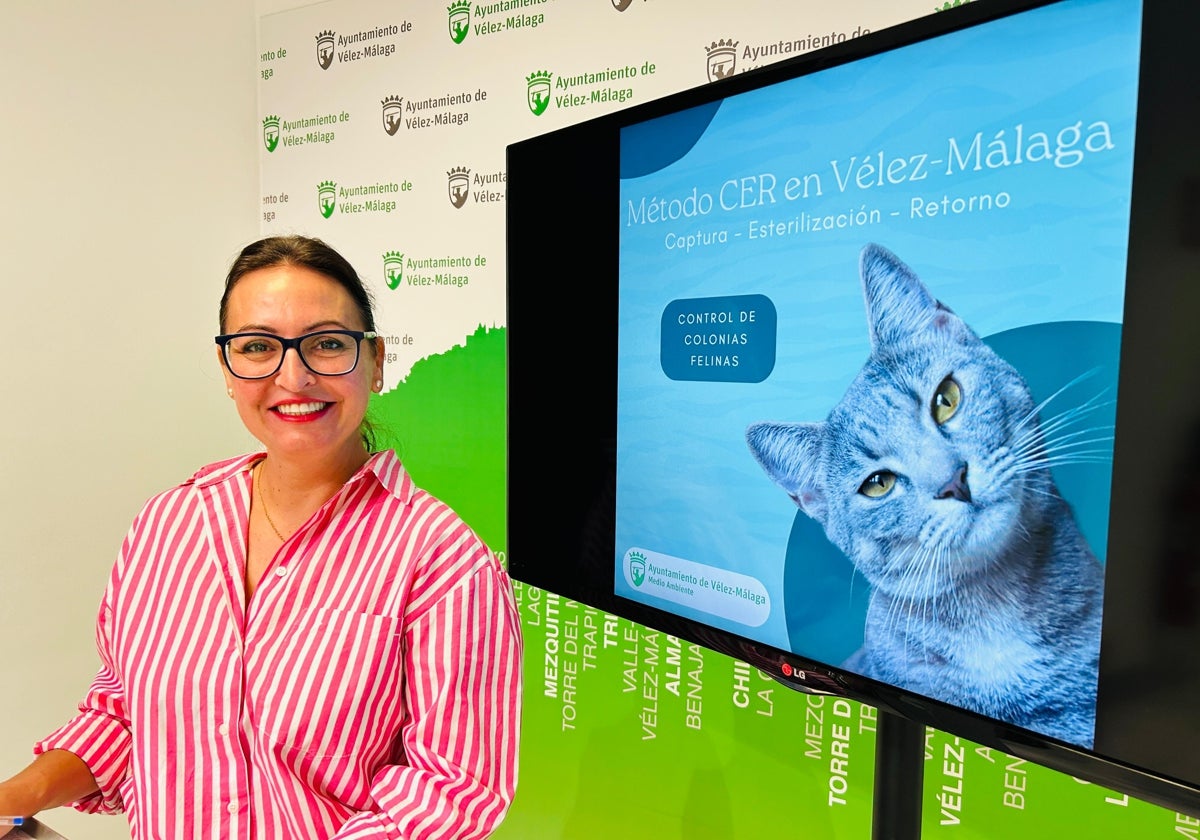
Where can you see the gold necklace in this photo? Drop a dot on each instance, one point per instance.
(263, 503)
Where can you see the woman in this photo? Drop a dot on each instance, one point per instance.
(298, 643)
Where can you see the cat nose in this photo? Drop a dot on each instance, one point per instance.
(956, 487)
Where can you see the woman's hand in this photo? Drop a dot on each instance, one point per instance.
(11, 805)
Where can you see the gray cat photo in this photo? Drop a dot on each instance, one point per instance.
(932, 475)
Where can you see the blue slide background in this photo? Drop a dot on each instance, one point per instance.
(1044, 275)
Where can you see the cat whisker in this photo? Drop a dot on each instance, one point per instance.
(916, 565)
(1054, 425)
(1051, 425)
(1026, 534)
(1037, 441)
(1067, 446)
(850, 593)
(922, 576)
(1057, 428)
(1083, 437)
(1066, 443)
(1062, 461)
(1049, 494)
(1072, 436)
(1037, 409)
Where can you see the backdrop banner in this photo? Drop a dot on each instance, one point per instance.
(382, 130)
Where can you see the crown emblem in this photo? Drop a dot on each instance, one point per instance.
(722, 47)
(325, 49)
(271, 132)
(722, 58)
(458, 185)
(537, 95)
(637, 567)
(392, 111)
(326, 192)
(393, 268)
(459, 20)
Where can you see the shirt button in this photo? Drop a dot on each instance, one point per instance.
(223, 728)
(281, 571)
(231, 807)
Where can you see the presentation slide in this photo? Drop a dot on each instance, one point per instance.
(870, 325)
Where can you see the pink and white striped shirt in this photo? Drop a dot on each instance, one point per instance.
(370, 690)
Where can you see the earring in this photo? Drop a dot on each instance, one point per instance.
(378, 384)
(229, 391)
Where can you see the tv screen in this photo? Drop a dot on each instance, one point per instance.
(872, 368)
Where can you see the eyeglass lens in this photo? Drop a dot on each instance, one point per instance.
(327, 353)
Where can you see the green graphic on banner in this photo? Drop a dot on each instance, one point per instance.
(447, 422)
(632, 733)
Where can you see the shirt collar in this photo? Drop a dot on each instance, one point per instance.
(224, 470)
(383, 467)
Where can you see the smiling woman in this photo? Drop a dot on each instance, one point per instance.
(297, 642)
(307, 418)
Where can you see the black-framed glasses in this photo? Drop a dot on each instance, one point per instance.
(257, 355)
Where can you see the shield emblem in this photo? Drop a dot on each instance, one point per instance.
(392, 114)
(326, 198)
(720, 65)
(621, 5)
(637, 568)
(393, 268)
(325, 50)
(271, 136)
(459, 22)
(458, 186)
(539, 96)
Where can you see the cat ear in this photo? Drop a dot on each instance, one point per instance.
(898, 304)
(790, 455)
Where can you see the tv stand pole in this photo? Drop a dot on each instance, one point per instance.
(899, 778)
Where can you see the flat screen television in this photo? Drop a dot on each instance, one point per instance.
(875, 368)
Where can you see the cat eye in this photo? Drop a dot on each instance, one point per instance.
(945, 400)
(878, 484)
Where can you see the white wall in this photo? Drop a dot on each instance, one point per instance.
(129, 157)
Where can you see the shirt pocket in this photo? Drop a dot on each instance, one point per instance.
(333, 687)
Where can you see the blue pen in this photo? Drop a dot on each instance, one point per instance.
(12, 821)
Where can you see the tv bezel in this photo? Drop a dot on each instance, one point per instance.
(562, 188)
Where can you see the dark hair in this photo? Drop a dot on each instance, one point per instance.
(313, 254)
(305, 252)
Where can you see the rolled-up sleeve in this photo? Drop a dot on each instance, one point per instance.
(99, 734)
